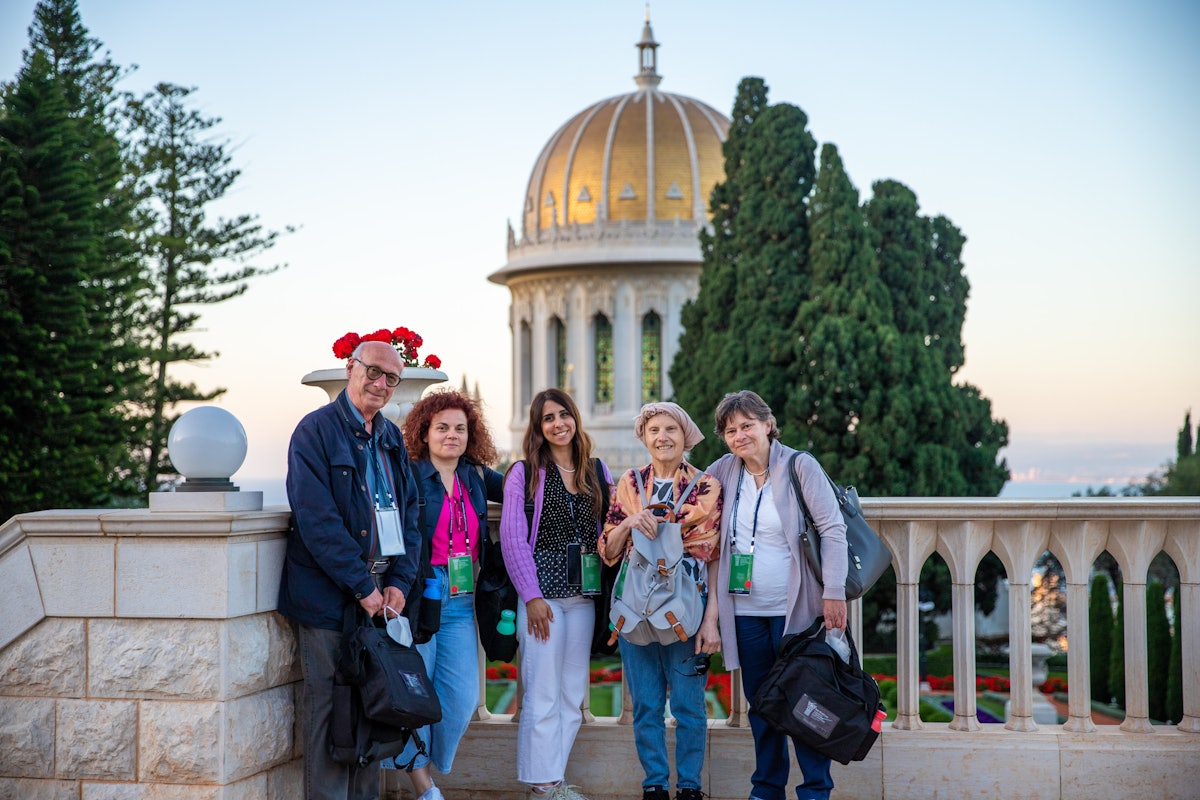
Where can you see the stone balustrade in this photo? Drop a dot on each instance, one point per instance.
(140, 658)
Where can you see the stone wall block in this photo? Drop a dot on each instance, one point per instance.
(27, 737)
(150, 791)
(260, 654)
(75, 575)
(258, 732)
(47, 661)
(96, 739)
(179, 742)
(285, 781)
(32, 789)
(270, 568)
(151, 572)
(154, 658)
(22, 597)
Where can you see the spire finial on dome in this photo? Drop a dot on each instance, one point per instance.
(647, 77)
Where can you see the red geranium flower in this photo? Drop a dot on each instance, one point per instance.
(405, 341)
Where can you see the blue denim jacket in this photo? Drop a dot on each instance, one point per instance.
(331, 535)
(433, 492)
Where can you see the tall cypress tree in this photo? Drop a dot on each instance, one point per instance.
(1174, 710)
(1116, 657)
(708, 355)
(67, 276)
(1158, 650)
(1100, 633)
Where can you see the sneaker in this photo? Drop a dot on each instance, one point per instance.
(565, 792)
(432, 793)
(655, 793)
(688, 793)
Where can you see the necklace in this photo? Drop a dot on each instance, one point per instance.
(758, 474)
(564, 469)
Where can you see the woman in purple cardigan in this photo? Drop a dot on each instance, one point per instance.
(553, 567)
(765, 587)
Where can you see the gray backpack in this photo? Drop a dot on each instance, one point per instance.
(654, 600)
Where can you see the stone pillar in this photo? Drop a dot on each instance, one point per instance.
(144, 657)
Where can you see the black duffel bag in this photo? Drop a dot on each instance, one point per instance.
(810, 693)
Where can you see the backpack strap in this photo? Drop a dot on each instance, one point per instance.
(684, 495)
(678, 503)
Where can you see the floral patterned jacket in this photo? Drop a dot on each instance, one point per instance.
(699, 516)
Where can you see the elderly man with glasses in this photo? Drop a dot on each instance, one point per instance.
(354, 539)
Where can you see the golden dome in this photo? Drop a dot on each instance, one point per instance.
(638, 165)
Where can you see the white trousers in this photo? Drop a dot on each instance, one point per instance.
(555, 676)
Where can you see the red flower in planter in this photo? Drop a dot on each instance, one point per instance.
(405, 341)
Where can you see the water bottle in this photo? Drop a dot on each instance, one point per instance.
(429, 615)
(507, 626)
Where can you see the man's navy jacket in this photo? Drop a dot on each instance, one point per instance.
(333, 515)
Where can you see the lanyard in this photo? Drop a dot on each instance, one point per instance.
(736, 500)
(574, 519)
(380, 483)
(458, 513)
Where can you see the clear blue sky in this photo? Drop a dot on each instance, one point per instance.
(1060, 137)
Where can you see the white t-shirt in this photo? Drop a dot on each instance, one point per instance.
(768, 582)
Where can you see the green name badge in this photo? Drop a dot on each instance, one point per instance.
(591, 574)
(741, 567)
(620, 583)
(461, 575)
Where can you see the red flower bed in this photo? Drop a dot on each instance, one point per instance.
(1053, 685)
(719, 682)
(605, 675)
(501, 672)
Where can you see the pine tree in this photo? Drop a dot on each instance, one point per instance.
(1116, 657)
(1158, 646)
(182, 172)
(1100, 634)
(67, 278)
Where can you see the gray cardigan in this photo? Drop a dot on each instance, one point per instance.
(804, 591)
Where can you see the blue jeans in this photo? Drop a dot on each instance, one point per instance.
(649, 670)
(757, 643)
(452, 661)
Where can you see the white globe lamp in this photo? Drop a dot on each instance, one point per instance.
(207, 445)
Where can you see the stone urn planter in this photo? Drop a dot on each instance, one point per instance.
(413, 383)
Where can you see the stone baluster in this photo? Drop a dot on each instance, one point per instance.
(911, 543)
(1018, 545)
(1181, 545)
(1134, 544)
(1076, 544)
(963, 545)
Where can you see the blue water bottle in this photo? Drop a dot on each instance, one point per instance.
(429, 616)
(507, 626)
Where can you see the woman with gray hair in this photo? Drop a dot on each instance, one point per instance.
(651, 669)
(764, 586)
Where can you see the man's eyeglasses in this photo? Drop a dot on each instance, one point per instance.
(694, 665)
(374, 373)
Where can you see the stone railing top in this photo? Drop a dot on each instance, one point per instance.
(143, 522)
(987, 508)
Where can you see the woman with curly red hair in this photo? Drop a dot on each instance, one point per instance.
(451, 449)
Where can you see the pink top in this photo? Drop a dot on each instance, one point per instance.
(455, 519)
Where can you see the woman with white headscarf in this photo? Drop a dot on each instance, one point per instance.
(651, 669)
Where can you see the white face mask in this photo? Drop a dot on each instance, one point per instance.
(397, 628)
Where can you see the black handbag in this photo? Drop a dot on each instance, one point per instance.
(867, 557)
(494, 594)
(394, 688)
(812, 694)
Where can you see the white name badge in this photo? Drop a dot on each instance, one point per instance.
(391, 533)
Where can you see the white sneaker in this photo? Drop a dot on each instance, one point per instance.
(565, 792)
(432, 793)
